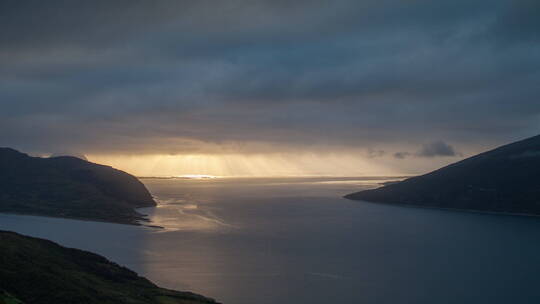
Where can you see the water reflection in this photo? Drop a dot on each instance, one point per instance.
(180, 214)
(297, 241)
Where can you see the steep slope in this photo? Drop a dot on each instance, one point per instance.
(69, 187)
(38, 271)
(506, 179)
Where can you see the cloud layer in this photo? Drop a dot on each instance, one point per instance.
(437, 148)
(173, 77)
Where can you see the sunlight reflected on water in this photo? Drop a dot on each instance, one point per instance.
(179, 214)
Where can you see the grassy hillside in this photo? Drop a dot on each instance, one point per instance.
(37, 271)
(6, 298)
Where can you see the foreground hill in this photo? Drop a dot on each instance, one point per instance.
(69, 187)
(506, 179)
(38, 271)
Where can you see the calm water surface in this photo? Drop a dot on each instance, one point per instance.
(297, 241)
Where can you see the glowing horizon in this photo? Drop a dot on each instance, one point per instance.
(259, 165)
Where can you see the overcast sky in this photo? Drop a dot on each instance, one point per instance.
(394, 79)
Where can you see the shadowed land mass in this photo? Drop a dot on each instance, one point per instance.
(39, 271)
(69, 187)
(501, 180)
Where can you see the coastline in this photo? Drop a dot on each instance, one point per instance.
(139, 222)
(486, 212)
(82, 274)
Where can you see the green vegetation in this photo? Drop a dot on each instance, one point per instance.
(69, 187)
(38, 271)
(505, 179)
(6, 298)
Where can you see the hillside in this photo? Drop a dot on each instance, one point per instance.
(38, 271)
(506, 179)
(69, 187)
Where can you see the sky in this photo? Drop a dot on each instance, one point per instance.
(269, 87)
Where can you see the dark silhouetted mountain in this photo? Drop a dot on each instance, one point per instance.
(69, 187)
(506, 179)
(38, 271)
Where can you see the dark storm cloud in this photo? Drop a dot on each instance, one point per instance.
(173, 76)
(432, 149)
(372, 153)
(437, 148)
(402, 155)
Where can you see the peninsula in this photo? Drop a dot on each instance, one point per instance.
(69, 187)
(506, 179)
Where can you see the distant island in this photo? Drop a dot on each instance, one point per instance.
(506, 179)
(37, 271)
(69, 187)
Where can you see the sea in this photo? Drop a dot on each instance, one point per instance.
(296, 240)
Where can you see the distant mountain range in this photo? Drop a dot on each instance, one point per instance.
(37, 271)
(70, 187)
(506, 179)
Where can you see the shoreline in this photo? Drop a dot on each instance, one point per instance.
(486, 212)
(137, 223)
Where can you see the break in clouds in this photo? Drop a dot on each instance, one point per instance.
(172, 77)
